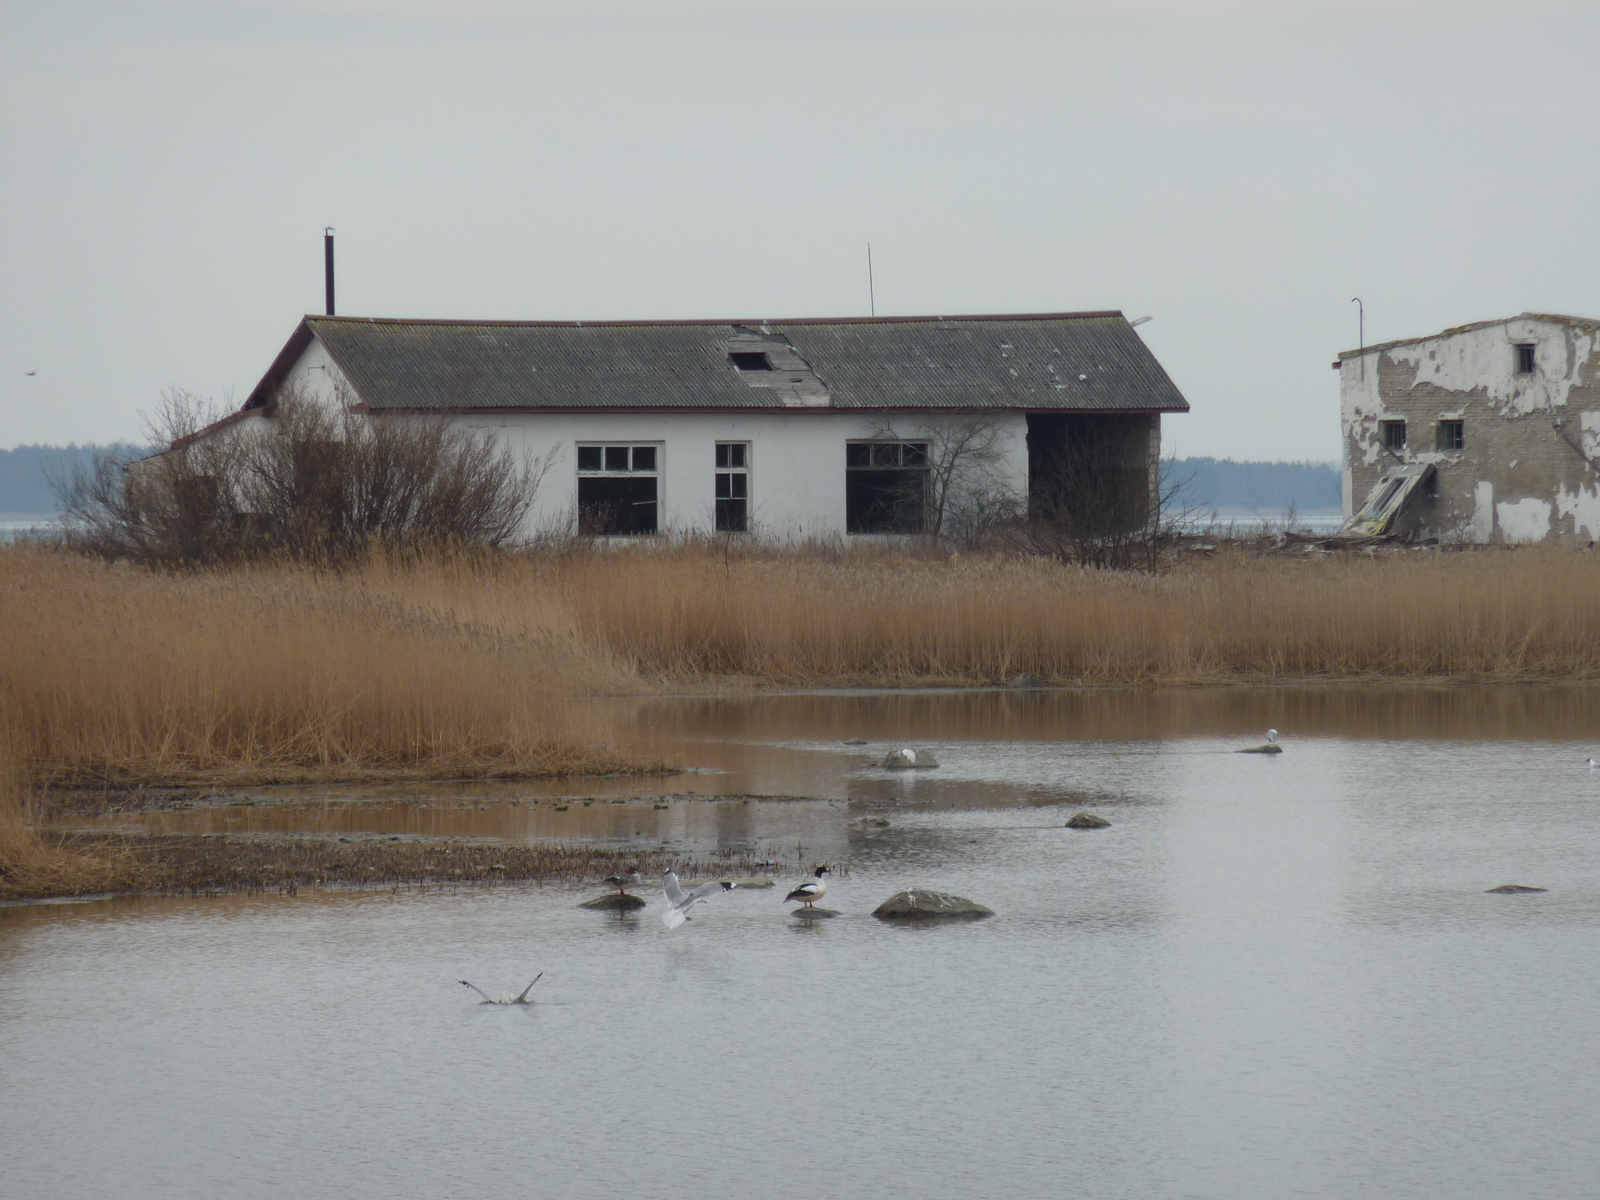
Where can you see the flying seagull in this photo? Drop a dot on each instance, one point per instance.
(30, 372)
(679, 902)
(625, 880)
(505, 997)
(810, 893)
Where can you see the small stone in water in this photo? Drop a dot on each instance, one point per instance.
(1085, 820)
(1507, 889)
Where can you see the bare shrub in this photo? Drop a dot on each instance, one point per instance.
(966, 494)
(308, 480)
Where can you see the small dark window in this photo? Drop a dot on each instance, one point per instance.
(750, 360)
(616, 458)
(1452, 435)
(644, 458)
(1393, 434)
(589, 458)
(733, 487)
(1525, 363)
(885, 486)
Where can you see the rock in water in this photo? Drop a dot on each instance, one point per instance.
(1088, 821)
(1028, 680)
(814, 914)
(904, 759)
(916, 904)
(873, 822)
(1264, 748)
(614, 902)
(1511, 889)
(855, 741)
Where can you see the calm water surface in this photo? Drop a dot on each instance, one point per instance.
(1271, 977)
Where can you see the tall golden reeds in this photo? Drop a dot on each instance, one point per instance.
(470, 664)
(872, 620)
(112, 675)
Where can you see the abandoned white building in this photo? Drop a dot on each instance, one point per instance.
(794, 428)
(1483, 433)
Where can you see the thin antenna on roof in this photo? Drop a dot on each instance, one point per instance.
(872, 295)
(327, 265)
(1361, 331)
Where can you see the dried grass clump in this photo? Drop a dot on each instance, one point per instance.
(117, 676)
(32, 867)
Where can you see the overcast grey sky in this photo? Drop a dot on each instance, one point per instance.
(1237, 168)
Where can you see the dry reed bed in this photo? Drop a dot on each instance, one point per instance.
(472, 665)
(113, 676)
(815, 619)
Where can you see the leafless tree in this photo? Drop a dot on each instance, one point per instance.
(966, 492)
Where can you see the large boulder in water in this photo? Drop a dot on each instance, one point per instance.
(920, 904)
(1265, 748)
(905, 759)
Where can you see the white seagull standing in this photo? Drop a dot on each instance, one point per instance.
(1272, 737)
(505, 997)
(679, 902)
(810, 893)
(1592, 764)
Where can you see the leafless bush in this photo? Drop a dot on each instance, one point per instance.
(966, 495)
(308, 480)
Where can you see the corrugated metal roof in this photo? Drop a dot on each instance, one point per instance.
(1071, 361)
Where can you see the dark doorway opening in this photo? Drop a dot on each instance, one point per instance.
(1091, 471)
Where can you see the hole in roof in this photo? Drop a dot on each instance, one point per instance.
(750, 360)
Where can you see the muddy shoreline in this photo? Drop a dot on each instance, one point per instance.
(212, 864)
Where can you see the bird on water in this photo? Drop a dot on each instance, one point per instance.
(622, 882)
(505, 997)
(810, 892)
(679, 902)
(1272, 737)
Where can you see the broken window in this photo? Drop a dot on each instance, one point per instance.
(1393, 434)
(750, 360)
(885, 486)
(1525, 362)
(1452, 435)
(618, 490)
(733, 487)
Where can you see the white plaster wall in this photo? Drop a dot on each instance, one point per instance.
(316, 375)
(796, 464)
(1525, 520)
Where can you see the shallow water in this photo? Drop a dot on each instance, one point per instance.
(1271, 977)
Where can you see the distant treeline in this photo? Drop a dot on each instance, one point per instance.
(25, 474)
(1212, 482)
(1263, 486)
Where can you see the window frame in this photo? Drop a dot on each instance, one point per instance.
(731, 513)
(1452, 434)
(1386, 426)
(655, 472)
(871, 457)
(1527, 357)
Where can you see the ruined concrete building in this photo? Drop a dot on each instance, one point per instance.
(1483, 433)
(813, 427)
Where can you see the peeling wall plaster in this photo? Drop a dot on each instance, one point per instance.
(1483, 511)
(1582, 504)
(1526, 520)
(1589, 436)
(1486, 359)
